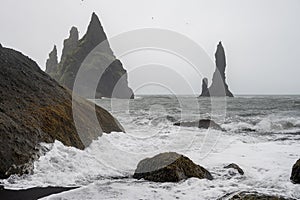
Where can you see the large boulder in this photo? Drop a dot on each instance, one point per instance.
(295, 177)
(236, 167)
(219, 86)
(202, 123)
(34, 108)
(94, 57)
(169, 167)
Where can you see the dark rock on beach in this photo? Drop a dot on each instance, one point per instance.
(235, 166)
(170, 118)
(295, 176)
(219, 86)
(101, 74)
(169, 167)
(202, 123)
(34, 108)
(252, 196)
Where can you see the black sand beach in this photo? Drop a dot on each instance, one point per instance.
(31, 194)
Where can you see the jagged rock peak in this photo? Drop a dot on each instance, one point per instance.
(74, 33)
(95, 32)
(204, 86)
(219, 86)
(220, 60)
(113, 82)
(70, 43)
(51, 63)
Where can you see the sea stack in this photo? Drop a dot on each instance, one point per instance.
(93, 56)
(219, 86)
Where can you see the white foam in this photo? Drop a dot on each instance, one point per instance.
(267, 169)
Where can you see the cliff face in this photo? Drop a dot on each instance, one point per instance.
(113, 81)
(34, 108)
(219, 86)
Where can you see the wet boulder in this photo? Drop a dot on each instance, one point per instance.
(169, 167)
(202, 123)
(295, 176)
(236, 167)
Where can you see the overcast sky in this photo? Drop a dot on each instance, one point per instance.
(261, 37)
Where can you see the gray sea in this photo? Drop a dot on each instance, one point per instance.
(260, 133)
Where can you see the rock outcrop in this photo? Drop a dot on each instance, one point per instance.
(34, 108)
(169, 167)
(202, 123)
(51, 63)
(93, 56)
(295, 176)
(219, 86)
(236, 167)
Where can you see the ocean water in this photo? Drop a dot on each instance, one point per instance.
(261, 134)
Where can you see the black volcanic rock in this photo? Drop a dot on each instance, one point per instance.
(71, 43)
(235, 166)
(51, 63)
(204, 87)
(34, 108)
(202, 123)
(95, 62)
(219, 86)
(245, 195)
(295, 176)
(169, 167)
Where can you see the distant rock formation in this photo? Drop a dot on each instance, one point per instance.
(204, 87)
(219, 86)
(52, 63)
(169, 167)
(86, 53)
(34, 108)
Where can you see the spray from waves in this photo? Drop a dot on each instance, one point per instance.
(63, 166)
(112, 155)
(270, 124)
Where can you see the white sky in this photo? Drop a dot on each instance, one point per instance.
(261, 37)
